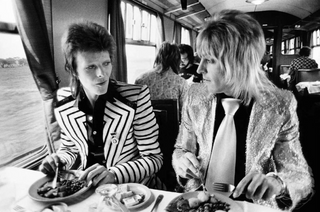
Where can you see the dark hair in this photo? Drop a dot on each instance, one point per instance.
(305, 51)
(169, 57)
(186, 49)
(84, 37)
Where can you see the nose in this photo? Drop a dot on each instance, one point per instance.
(201, 67)
(99, 72)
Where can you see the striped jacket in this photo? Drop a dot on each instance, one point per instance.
(136, 155)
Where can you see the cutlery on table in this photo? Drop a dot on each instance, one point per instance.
(158, 200)
(54, 182)
(223, 188)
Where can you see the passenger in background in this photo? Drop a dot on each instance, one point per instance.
(109, 126)
(265, 162)
(302, 62)
(265, 62)
(188, 68)
(163, 80)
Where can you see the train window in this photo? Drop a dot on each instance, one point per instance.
(141, 36)
(139, 63)
(22, 137)
(139, 24)
(185, 36)
(291, 45)
(315, 39)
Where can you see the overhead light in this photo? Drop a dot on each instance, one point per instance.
(183, 4)
(256, 2)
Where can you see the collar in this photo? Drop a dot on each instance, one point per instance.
(83, 103)
(245, 108)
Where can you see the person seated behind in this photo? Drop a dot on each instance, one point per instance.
(110, 125)
(188, 69)
(302, 62)
(163, 80)
(267, 163)
(165, 83)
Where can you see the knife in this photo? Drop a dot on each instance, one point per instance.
(158, 200)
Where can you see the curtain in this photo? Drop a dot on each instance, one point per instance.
(32, 28)
(177, 33)
(117, 31)
(192, 40)
(161, 32)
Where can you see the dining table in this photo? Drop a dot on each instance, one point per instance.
(14, 192)
(311, 88)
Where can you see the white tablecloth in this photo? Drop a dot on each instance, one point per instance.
(18, 181)
(312, 87)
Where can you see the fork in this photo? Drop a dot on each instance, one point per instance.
(202, 183)
(223, 188)
(54, 182)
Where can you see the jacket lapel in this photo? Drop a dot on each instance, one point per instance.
(264, 124)
(72, 121)
(118, 119)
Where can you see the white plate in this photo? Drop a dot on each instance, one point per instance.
(234, 207)
(76, 197)
(140, 189)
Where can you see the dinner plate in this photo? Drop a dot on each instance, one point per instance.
(76, 197)
(234, 207)
(140, 189)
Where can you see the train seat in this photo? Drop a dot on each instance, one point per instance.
(167, 115)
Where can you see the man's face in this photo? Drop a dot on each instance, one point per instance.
(213, 76)
(184, 60)
(94, 70)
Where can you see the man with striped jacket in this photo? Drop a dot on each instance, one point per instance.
(108, 126)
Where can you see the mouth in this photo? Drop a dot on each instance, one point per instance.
(101, 83)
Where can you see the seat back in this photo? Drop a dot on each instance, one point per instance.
(284, 69)
(308, 75)
(172, 108)
(167, 114)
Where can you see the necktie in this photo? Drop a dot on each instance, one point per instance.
(223, 155)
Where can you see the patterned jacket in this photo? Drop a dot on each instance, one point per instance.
(167, 85)
(300, 63)
(136, 157)
(272, 143)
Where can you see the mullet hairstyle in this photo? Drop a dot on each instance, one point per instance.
(84, 37)
(169, 57)
(236, 41)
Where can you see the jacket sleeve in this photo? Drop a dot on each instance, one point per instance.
(186, 140)
(67, 151)
(146, 131)
(290, 163)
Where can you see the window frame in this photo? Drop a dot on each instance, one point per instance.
(291, 45)
(142, 9)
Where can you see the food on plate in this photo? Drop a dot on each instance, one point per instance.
(203, 196)
(64, 188)
(203, 202)
(127, 196)
(194, 202)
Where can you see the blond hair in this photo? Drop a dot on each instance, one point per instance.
(236, 41)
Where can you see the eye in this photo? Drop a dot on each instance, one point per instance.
(91, 67)
(211, 61)
(106, 63)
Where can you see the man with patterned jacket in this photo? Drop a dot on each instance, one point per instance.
(302, 62)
